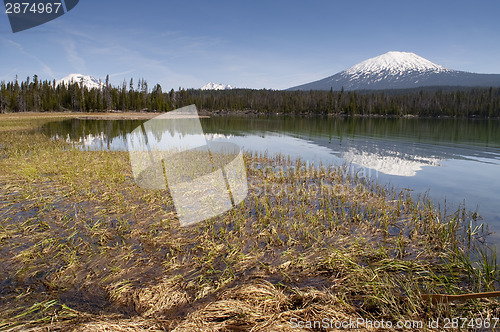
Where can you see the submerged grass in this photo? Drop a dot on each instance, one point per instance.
(84, 248)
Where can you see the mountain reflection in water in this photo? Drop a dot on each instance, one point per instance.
(452, 159)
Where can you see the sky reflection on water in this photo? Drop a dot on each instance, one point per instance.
(424, 156)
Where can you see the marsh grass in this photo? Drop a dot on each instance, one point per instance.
(84, 248)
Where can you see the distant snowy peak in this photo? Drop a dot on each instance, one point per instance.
(395, 63)
(89, 82)
(215, 86)
(399, 70)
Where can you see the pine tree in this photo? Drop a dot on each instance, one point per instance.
(107, 94)
(123, 96)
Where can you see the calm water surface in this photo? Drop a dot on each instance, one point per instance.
(453, 160)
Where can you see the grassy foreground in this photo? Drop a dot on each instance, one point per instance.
(83, 248)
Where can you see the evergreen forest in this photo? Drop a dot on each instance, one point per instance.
(33, 95)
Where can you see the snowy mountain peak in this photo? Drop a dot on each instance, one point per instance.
(89, 82)
(215, 86)
(395, 63)
(399, 70)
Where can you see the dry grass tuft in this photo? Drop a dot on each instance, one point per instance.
(261, 306)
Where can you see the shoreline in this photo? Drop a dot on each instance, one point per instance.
(140, 115)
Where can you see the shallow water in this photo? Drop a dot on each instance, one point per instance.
(453, 160)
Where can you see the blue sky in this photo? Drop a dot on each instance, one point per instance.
(270, 44)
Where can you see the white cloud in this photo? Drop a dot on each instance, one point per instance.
(47, 70)
(74, 57)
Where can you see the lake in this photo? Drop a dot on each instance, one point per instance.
(456, 161)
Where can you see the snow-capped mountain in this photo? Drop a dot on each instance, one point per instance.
(395, 64)
(398, 70)
(88, 81)
(215, 86)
